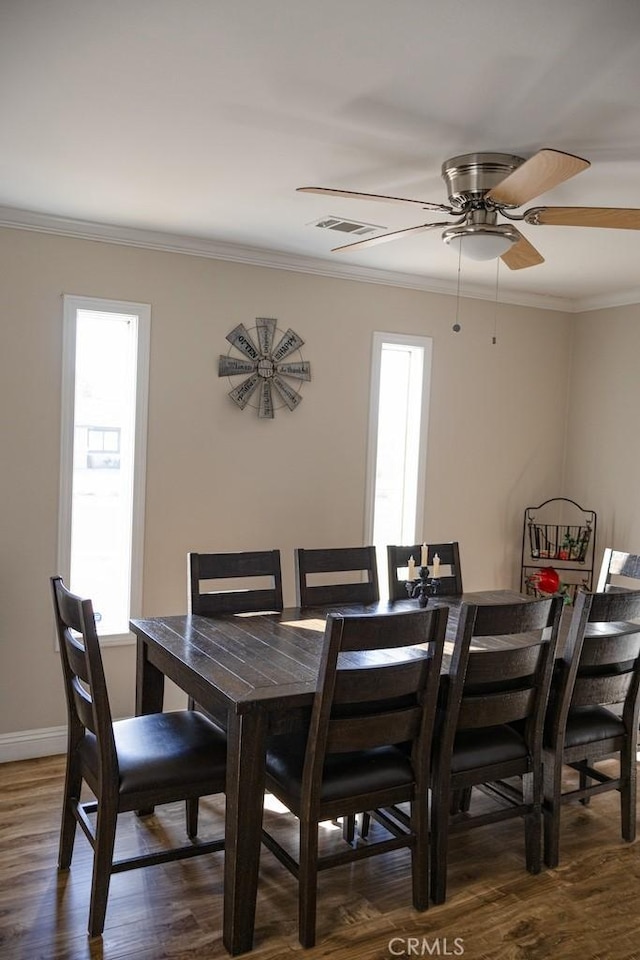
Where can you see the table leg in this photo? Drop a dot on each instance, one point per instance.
(149, 682)
(246, 735)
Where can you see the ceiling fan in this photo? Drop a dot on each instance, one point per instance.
(482, 186)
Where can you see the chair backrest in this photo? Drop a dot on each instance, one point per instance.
(617, 565)
(359, 704)
(449, 555)
(601, 661)
(508, 684)
(358, 560)
(84, 681)
(240, 567)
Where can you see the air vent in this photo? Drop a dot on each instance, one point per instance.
(355, 227)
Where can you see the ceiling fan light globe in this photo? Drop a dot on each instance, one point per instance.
(484, 247)
(481, 242)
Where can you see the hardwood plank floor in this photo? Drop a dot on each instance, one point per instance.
(587, 909)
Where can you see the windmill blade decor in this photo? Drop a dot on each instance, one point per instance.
(270, 359)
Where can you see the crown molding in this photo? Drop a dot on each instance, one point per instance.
(258, 256)
(625, 298)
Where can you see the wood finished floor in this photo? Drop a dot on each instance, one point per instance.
(588, 908)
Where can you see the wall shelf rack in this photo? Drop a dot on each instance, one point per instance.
(558, 533)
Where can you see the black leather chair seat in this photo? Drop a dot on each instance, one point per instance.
(171, 748)
(590, 724)
(486, 746)
(345, 774)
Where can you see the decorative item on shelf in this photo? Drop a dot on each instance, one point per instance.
(546, 582)
(266, 367)
(559, 542)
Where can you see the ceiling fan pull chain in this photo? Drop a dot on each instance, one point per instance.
(456, 326)
(494, 338)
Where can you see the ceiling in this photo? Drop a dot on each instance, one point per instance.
(200, 118)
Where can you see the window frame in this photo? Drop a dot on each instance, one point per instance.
(410, 340)
(142, 313)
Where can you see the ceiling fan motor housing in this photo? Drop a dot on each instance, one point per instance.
(470, 176)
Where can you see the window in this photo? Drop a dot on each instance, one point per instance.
(104, 423)
(400, 379)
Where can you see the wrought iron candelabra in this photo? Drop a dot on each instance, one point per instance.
(424, 587)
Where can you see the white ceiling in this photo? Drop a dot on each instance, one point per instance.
(201, 117)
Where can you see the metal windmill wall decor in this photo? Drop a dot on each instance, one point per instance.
(270, 360)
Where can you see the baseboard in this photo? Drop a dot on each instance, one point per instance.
(28, 744)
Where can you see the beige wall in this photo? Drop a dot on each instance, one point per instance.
(218, 478)
(603, 449)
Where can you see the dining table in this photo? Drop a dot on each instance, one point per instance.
(256, 675)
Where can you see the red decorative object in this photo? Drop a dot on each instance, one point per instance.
(545, 580)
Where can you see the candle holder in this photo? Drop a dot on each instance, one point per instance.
(423, 588)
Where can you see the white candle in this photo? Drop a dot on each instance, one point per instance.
(435, 573)
(423, 555)
(411, 569)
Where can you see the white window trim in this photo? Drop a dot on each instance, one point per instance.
(71, 304)
(372, 443)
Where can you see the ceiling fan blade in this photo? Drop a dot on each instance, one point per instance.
(371, 241)
(543, 171)
(354, 195)
(522, 254)
(618, 218)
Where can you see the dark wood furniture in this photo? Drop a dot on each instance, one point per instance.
(491, 725)
(127, 764)
(600, 669)
(368, 747)
(617, 570)
(449, 554)
(335, 560)
(236, 567)
(258, 674)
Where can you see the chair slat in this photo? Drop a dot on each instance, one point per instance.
(487, 666)
(76, 655)
(497, 708)
(84, 706)
(366, 732)
(383, 682)
(325, 595)
(601, 690)
(611, 649)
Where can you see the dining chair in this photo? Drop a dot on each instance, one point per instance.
(129, 764)
(617, 569)
(241, 568)
(367, 747)
(490, 725)
(593, 710)
(353, 561)
(449, 555)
